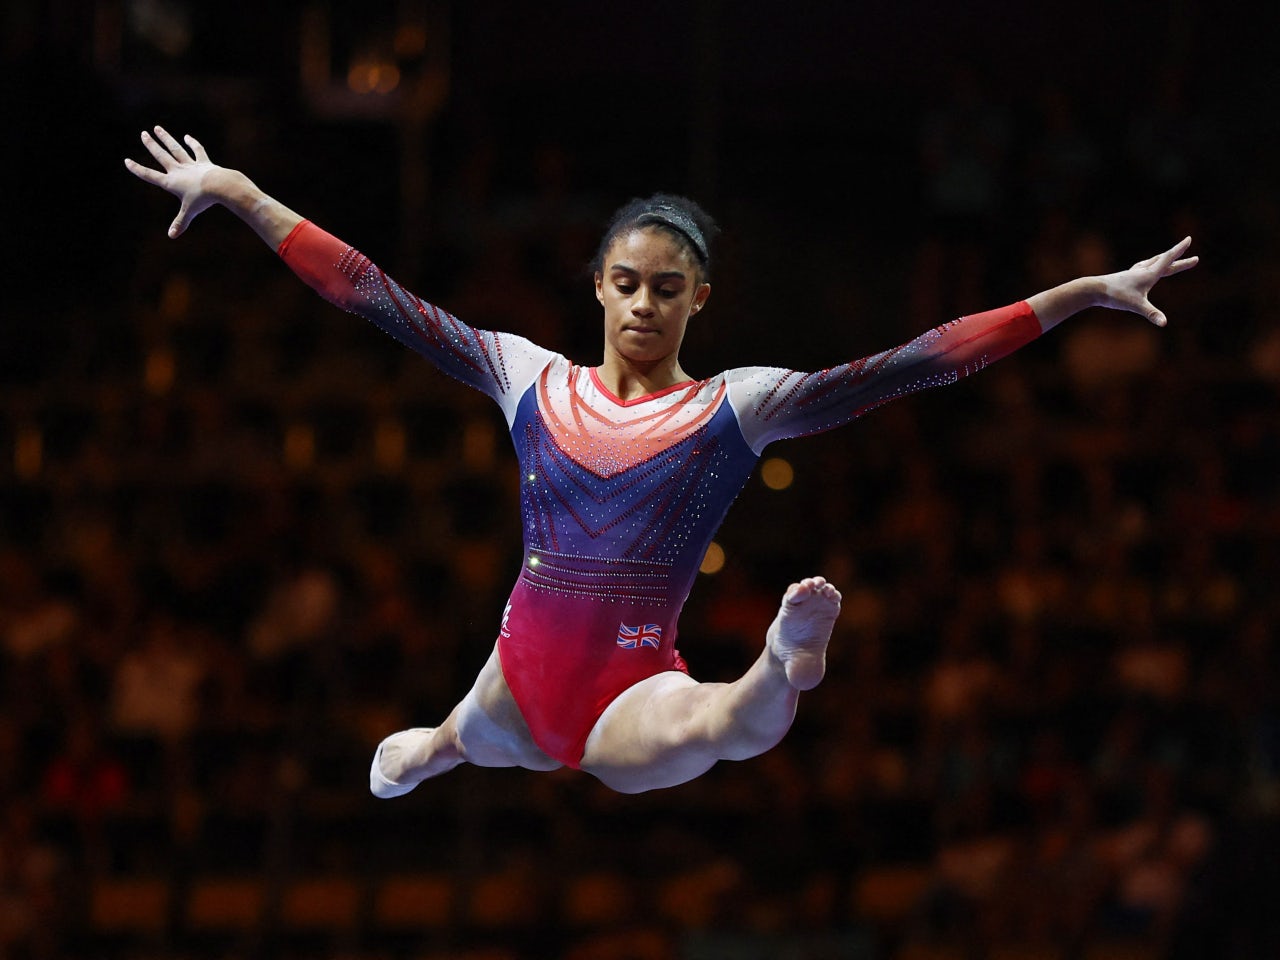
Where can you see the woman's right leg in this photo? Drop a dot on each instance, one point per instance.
(485, 729)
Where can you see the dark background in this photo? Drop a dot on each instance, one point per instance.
(244, 536)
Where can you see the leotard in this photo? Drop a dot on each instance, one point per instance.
(619, 499)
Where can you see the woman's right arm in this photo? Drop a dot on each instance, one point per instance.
(501, 365)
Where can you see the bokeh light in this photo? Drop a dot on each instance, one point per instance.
(777, 473)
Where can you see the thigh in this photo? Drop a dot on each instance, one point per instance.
(658, 733)
(490, 729)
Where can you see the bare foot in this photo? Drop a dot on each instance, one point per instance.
(798, 635)
(398, 762)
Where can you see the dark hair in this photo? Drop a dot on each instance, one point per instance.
(679, 216)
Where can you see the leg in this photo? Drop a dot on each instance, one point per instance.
(669, 729)
(486, 729)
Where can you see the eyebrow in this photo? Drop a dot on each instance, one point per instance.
(665, 275)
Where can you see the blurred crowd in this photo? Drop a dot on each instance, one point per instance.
(245, 537)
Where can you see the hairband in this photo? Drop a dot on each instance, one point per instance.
(678, 220)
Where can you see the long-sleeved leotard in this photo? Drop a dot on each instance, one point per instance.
(620, 499)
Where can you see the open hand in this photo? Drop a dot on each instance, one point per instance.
(1130, 289)
(184, 174)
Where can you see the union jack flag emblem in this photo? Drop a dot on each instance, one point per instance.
(631, 638)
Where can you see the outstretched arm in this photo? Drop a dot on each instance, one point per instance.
(1127, 290)
(773, 403)
(498, 364)
(199, 183)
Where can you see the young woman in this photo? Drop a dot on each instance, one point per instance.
(627, 469)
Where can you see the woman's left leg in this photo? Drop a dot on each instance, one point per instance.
(486, 729)
(670, 728)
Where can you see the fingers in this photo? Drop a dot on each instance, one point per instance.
(180, 221)
(1168, 262)
(178, 173)
(177, 150)
(163, 157)
(1135, 284)
(197, 148)
(1166, 265)
(1172, 261)
(169, 153)
(1163, 261)
(144, 173)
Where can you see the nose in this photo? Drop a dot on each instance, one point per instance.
(642, 302)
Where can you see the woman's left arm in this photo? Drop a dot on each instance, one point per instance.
(773, 403)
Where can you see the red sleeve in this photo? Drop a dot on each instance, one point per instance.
(348, 279)
(787, 403)
(314, 255)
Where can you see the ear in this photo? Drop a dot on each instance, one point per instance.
(700, 297)
(599, 287)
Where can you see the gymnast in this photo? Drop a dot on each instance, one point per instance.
(627, 470)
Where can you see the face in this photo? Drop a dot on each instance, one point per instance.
(649, 287)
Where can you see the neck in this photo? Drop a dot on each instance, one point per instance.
(629, 379)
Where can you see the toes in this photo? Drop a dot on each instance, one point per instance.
(811, 587)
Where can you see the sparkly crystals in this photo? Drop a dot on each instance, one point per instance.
(648, 480)
(620, 500)
(774, 403)
(600, 578)
(609, 437)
